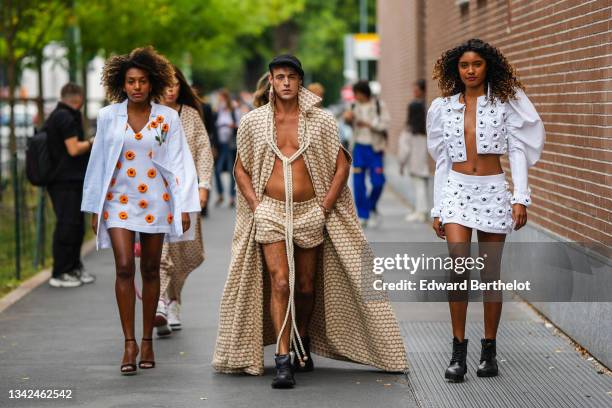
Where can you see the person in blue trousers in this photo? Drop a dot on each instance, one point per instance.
(370, 121)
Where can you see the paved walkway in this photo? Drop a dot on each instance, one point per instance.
(71, 339)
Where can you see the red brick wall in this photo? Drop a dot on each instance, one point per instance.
(563, 55)
(400, 59)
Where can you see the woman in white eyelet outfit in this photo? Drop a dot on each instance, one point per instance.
(483, 114)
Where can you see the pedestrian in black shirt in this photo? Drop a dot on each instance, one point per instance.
(69, 151)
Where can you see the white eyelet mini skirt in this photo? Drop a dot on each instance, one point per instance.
(481, 202)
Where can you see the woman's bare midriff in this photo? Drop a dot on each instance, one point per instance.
(481, 165)
(303, 190)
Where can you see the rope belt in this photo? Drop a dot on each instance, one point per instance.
(294, 338)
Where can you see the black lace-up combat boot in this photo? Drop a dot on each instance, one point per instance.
(457, 368)
(488, 362)
(284, 372)
(308, 363)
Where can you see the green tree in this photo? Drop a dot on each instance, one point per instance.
(209, 31)
(25, 26)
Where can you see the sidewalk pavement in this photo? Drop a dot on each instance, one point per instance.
(71, 339)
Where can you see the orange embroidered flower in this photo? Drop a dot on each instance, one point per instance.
(109, 196)
(166, 197)
(138, 136)
(152, 173)
(131, 172)
(105, 215)
(159, 119)
(123, 199)
(149, 218)
(150, 154)
(123, 215)
(118, 164)
(113, 182)
(165, 127)
(153, 125)
(148, 127)
(143, 188)
(130, 155)
(143, 204)
(170, 218)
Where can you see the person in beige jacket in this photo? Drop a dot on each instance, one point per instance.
(180, 259)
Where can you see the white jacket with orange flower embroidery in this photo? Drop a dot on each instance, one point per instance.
(172, 159)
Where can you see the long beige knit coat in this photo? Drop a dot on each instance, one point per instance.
(179, 259)
(349, 321)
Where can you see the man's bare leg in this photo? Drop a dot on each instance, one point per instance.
(275, 256)
(305, 269)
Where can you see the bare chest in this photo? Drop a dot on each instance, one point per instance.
(469, 122)
(287, 135)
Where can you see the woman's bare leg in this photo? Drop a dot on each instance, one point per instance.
(458, 239)
(151, 248)
(492, 245)
(122, 241)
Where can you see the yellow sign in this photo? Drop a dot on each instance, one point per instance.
(366, 46)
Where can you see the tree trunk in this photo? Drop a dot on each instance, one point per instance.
(11, 74)
(286, 37)
(84, 65)
(40, 102)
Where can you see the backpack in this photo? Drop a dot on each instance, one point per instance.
(233, 141)
(40, 169)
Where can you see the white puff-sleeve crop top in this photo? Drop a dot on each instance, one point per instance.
(513, 127)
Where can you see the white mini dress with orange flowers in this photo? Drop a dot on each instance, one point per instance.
(138, 198)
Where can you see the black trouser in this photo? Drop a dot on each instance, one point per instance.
(69, 226)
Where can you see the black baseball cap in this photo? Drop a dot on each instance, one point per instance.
(287, 60)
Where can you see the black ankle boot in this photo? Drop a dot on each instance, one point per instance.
(488, 362)
(284, 372)
(457, 367)
(308, 363)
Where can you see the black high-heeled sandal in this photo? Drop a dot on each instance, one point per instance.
(129, 368)
(146, 364)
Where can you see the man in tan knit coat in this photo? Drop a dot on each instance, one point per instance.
(298, 251)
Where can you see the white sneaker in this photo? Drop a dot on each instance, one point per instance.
(65, 281)
(374, 221)
(363, 222)
(415, 217)
(161, 320)
(85, 276)
(174, 315)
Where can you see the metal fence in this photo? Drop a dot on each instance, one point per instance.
(26, 213)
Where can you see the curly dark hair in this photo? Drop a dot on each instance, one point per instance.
(500, 74)
(159, 69)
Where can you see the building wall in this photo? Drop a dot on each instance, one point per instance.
(399, 65)
(562, 53)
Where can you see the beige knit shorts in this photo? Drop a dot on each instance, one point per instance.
(308, 222)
